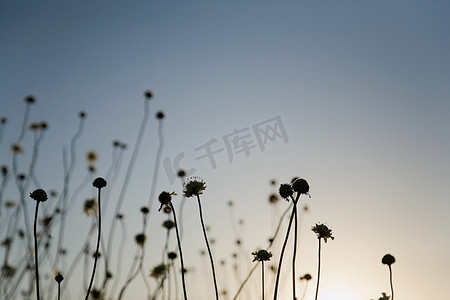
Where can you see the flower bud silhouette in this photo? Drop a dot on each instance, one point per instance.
(99, 183)
(39, 195)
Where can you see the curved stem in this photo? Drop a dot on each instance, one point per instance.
(282, 253)
(36, 262)
(304, 291)
(98, 245)
(179, 248)
(318, 273)
(268, 247)
(390, 278)
(207, 246)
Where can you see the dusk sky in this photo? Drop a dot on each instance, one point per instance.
(353, 96)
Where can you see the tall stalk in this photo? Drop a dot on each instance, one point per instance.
(99, 183)
(207, 246)
(318, 272)
(36, 261)
(181, 251)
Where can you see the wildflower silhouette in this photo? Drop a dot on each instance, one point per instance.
(262, 256)
(59, 278)
(193, 187)
(98, 183)
(165, 199)
(389, 260)
(39, 196)
(306, 277)
(323, 232)
(140, 239)
(298, 187)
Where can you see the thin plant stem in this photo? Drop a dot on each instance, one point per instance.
(262, 275)
(318, 272)
(98, 245)
(59, 291)
(295, 251)
(390, 279)
(304, 291)
(36, 261)
(124, 188)
(282, 253)
(179, 248)
(241, 287)
(207, 246)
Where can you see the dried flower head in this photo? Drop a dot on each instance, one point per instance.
(159, 271)
(59, 278)
(91, 157)
(301, 186)
(82, 114)
(273, 198)
(164, 199)
(4, 120)
(168, 224)
(194, 186)
(34, 127)
(160, 115)
(99, 183)
(43, 125)
(90, 207)
(10, 204)
(172, 255)
(39, 195)
(261, 255)
(7, 271)
(145, 210)
(388, 259)
(148, 95)
(46, 221)
(285, 191)
(140, 239)
(322, 231)
(384, 297)
(306, 277)
(16, 148)
(97, 294)
(30, 99)
(181, 173)
(4, 170)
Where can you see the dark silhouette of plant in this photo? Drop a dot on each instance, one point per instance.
(148, 96)
(193, 188)
(389, 260)
(98, 183)
(323, 232)
(39, 196)
(165, 199)
(262, 256)
(59, 278)
(306, 277)
(299, 186)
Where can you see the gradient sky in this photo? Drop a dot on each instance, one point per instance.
(361, 87)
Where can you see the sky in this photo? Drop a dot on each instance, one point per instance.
(354, 93)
